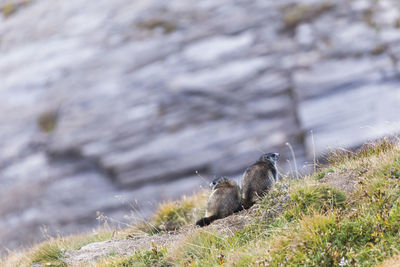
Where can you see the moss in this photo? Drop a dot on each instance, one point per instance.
(378, 50)
(165, 25)
(47, 121)
(11, 8)
(8, 9)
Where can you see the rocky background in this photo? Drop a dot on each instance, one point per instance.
(112, 106)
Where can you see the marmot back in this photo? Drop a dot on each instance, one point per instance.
(259, 178)
(224, 200)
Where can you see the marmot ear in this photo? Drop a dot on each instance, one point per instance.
(275, 156)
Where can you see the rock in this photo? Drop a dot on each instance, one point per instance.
(330, 75)
(140, 102)
(304, 35)
(214, 48)
(223, 76)
(347, 127)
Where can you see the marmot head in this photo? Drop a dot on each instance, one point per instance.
(269, 157)
(216, 183)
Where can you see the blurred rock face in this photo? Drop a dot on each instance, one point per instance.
(105, 103)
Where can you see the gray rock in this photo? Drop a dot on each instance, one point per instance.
(148, 92)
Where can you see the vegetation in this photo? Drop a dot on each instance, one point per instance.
(151, 257)
(165, 26)
(10, 8)
(294, 14)
(172, 215)
(305, 222)
(51, 252)
(47, 121)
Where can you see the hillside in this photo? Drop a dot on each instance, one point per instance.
(117, 98)
(346, 214)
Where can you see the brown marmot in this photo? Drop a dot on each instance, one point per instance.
(224, 200)
(259, 178)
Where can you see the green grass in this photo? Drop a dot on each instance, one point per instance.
(312, 224)
(301, 222)
(341, 156)
(322, 174)
(307, 199)
(151, 257)
(49, 254)
(172, 215)
(10, 8)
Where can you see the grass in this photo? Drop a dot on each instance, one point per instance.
(303, 222)
(172, 215)
(51, 252)
(10, 8)
(310, 198)
(322, 174)
(151, 257)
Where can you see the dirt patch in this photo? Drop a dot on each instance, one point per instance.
(124, 247)
(345, 180)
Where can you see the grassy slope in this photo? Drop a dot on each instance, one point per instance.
(308, 222)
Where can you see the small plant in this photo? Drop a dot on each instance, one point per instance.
(173, 215)
(47, 121)
(202, 247)
(321, 198)
(322, 174)
(298, 223)
(10, 8)
(165, 25)
(369, 149)
(274, 203)
(152, 257)
(49, 254)
(295, 14)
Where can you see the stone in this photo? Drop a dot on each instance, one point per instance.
(168, 88)
(224, 75)
(214, 48)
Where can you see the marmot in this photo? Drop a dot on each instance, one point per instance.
(224, 200)
(259, 178)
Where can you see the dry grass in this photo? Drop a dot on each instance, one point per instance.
(173, 215)
(346, 214)
(51, 252)
(392, 262)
